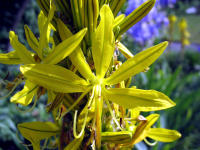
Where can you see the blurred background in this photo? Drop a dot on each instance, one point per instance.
(176, 73)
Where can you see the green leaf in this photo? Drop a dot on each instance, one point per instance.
(142, 100)
(77, 57)
(22, 52)
(54, 77)
(36, 131)
(65, 48)
(136, 64)
(103, 42)
(136, 15)
(25, 96)
(163, 135)
(10, 58)
(117, 137)
(31, 39)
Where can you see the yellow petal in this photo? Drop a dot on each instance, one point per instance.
(21, 50)
(120, 137)
(134, 113)
(136, 15)
(25, 96)
(124, 50)
(54, 77)
(10, 58)
(163, 135)
(45, 28)
(31, 39)
(65, 48)
(77, 57)
(103, 42)
(36, 131)
(41, 21)
(118, 20)
(142, 100)
(143, 127)
(136, 64)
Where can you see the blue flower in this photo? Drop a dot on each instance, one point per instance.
(145, 31)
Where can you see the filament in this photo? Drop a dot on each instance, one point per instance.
(85, 119)
(45, 144)
(83, 126)
(32, 107)
(113, 116)
(20, 141)
(149, 143)
(12, 90)
(77, 101)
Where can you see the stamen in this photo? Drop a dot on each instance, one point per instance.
(150, 144)
(83, 126)
(12, 90)
(29, 110)
(77, 101)
(21, 142)
(113, 116)
(45, 144)
(85, 119)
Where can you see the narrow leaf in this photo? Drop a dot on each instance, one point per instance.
(103, 42)
(25, 96)
(54, 77)
(163, 135)
(10, 58)
(21, 50)
(36, 131)
(143, 100)
(136, 15)
(136, 64)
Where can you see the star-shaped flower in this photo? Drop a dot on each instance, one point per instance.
(60, 79)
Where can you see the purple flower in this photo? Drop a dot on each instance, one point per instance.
(167, 3)
(145, 31)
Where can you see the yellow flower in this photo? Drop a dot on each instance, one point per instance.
(144, 130)
(62, 80)
(43, 53)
